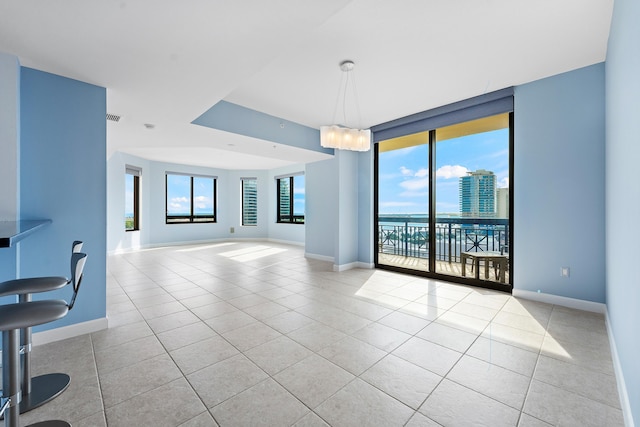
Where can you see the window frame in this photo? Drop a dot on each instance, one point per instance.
(192, 218)
(135, 172)
(291, 217)
(243, 206)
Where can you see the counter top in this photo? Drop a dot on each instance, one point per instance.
(11, 232)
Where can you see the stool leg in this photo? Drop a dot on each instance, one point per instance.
(11, 375)
(38, 390)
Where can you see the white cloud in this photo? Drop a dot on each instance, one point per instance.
(298, 191)
(503, 183)
(202, 199)
(451, 171)
(415, 184)
(179, 200)
(406, 172)
(422, 173)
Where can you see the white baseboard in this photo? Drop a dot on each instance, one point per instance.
(318, 257)
(617, 368)
(285, 242)
(352, 265)
(578, 304)
(64, 332)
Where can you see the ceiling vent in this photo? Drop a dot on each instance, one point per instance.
(113, 117)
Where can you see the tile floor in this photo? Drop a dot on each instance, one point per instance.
(252, 333)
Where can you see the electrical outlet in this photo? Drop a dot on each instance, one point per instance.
(232, 230)
(564, 272)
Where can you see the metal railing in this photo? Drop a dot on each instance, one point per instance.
(407, 236)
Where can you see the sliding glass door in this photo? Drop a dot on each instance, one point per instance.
(403, 202)
(443, 202)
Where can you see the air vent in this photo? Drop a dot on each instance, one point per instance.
(113, 117)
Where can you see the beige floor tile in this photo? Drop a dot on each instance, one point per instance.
(217, 383)
(352, 355)
(404, 322)
(577, 379)
(529, 421)
(265, 310)
(278, 354)
(594, 358)
(209, 311)
(513, 336)
(490, 380)
(203, 353)
(252, 335)
(169, 405)
(230, 321)
(257, 406)
(454, 405)
(361, 404)
(125, 383)
(311, 420)
(313, 380)
(316, 336)
(185, 335)
(447, 336)
(474, 310)
(419, 420)
(288, 321)
(203, 420)
(463, 322)
(408, 383)
(507, 356)
(524, 322)
(560, 407)
(423, 311)
(381, 336)
(126, 354)
(172, 321)
(161, 310)
(428, 355)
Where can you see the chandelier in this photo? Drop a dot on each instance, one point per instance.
(343, 137)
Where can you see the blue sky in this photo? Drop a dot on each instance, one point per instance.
(179, 193)
(403, 181)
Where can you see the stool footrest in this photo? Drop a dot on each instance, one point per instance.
(43, 389)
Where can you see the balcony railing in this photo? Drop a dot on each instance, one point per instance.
(408, 236)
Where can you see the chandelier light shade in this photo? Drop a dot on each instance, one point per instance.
(343, 137)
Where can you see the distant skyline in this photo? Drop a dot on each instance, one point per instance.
(403, 173)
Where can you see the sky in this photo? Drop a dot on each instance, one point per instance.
(179, 190)
(404, 176)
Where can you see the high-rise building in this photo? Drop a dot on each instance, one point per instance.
(478, 194)
(502, 202)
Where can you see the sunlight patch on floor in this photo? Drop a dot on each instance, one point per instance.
(204, 247)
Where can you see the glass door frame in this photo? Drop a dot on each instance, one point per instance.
(432, 273)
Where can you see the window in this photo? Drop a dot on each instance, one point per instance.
(132, 198)
(190, 198)
(249, 201)
(290, 199)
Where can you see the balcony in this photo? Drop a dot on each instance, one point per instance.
(404, 242)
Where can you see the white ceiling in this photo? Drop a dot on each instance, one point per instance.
(166, 62)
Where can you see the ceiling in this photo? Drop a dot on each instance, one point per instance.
(165, 62)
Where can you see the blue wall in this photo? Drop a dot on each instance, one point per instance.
(623, 191)
(63, 177)
(558, 185)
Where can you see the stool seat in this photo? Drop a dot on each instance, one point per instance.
(32, 285)
(27, 314)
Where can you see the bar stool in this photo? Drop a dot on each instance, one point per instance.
(13, 318)
(38, 390)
